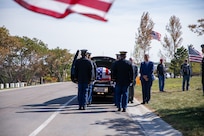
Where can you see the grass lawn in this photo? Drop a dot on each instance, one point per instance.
(184, 110)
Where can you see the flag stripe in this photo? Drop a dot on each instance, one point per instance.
(194, 55)
(96, 4)
(96, 9)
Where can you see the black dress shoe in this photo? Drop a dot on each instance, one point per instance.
(143, 103)
(132, 102)
(119, 109)
(124, 110)
(80, 108)
(83, 108)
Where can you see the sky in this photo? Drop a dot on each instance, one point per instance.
(105, 38)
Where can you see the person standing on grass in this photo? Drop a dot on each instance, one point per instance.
(161, 75)
(202, 46)
(186, 73)
(146, 77)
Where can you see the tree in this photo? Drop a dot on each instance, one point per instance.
(138, 54)
(58, 62)
(143, 37)
(9, 47)
(198, 28)
(29, 60)
(175, 40)
(180, 55)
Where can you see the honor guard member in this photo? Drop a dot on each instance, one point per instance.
(132, 87)
(83, 71)
(117, 58)
(123, 76)
(93, 77)
(202, 46)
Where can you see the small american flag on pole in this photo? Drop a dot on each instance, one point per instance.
(194, 55)
(155, 35)
(95, 9)
(103, 73)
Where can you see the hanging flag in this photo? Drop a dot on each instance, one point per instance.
(155, 35)
(194, 55)
(95, 9)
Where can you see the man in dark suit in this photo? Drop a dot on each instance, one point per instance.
(146, 77)
(123, 76)
(83, 72)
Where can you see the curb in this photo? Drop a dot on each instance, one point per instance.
(151, 124)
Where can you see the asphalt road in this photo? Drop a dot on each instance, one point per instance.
(52, 110)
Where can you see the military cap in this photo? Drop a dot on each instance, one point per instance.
(88, 53)
(83, 52)
(117, 55)
(202, 46)
(123, 52)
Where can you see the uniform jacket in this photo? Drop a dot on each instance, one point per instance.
(83, 70)
(122, 72)
(147, 69)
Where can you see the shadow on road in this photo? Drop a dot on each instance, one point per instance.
(49, 106)
(57, 103)
(124, 126)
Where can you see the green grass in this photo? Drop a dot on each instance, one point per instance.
(183, 110)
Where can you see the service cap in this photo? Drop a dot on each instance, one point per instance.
(83, 52)
(123, 52)
(88, 53)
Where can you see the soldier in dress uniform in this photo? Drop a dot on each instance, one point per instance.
(202, 46)
(122, 74)
(132, 87)
(114, 97)
(93, 77)
(83, 72)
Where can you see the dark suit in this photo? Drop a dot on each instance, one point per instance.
(122, 74)
(146, 68)
(83, 72)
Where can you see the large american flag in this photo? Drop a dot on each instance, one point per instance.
(194, 55)
(95, 9)
(155, 35)
(103, 73)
